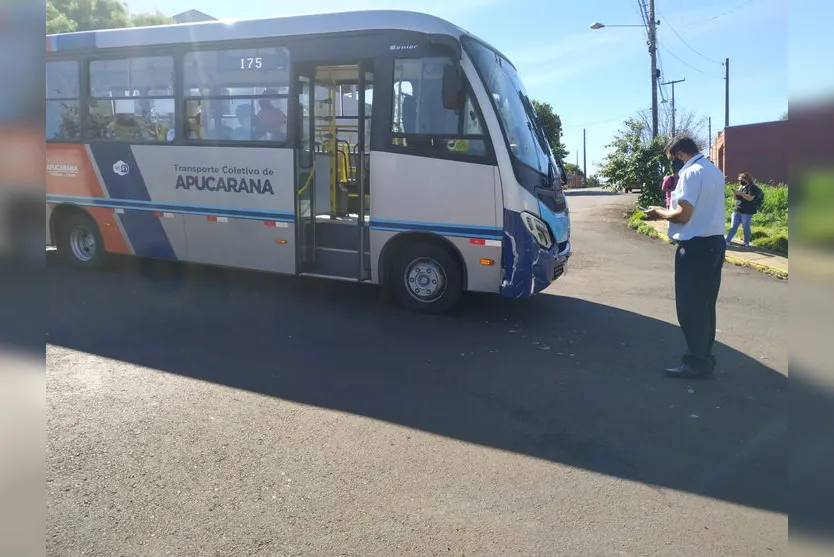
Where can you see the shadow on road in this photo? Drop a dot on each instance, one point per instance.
(555, 378)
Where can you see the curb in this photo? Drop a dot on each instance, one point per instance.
(731, 259)
(767, 269)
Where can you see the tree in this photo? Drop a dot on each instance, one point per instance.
(686, 123)
(64, 16)
(784, 116)
(634, 162)
(572, 168)
(148, 20)
(552, 124)
(57, 21)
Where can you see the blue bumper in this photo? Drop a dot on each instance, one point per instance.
(529, 269)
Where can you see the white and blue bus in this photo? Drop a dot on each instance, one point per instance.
(386, 147)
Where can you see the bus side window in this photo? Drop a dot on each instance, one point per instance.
(421, 123)
(132, 99)
(63, 117)
(243, 93)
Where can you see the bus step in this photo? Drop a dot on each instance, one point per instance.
(337, 235)
(339, 263)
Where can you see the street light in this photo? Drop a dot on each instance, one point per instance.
(652, 30)
(597, 25)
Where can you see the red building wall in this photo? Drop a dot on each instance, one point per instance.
(758, 149)
(574, 181)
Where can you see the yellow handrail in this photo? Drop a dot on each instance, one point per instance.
(309, 181)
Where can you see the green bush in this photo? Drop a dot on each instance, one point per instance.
(758, 234)
(776, 242)
(814, 204)
(636, 219)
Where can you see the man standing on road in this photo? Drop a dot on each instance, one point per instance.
(696, 225)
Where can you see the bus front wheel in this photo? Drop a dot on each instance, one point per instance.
(79, 241)
(426, 278)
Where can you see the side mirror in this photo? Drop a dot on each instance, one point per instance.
(563, 176)
(452, 87)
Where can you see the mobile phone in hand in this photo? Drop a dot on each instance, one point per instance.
(644, 209)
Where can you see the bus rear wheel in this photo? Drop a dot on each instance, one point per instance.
(79, 242)
(426, 278)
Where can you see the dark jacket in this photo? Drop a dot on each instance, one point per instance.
(744, 207)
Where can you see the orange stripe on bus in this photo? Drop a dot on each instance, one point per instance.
(69, 171)
(114, 240)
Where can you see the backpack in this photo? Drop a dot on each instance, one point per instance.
(759, 201)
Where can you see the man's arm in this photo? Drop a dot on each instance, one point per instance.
(680, 215)
(689, 186)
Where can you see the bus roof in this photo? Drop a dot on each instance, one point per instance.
(207, 31)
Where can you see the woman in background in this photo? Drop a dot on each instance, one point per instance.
(670, 182)
(746, 198)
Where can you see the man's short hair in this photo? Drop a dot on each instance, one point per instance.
(685, 145)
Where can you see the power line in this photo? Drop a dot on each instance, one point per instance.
(662, 73)
(687, 64)
(643, 10)
(731, 10)
(686, 43)
(644, 15)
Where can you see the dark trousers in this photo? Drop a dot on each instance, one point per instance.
(698, 264)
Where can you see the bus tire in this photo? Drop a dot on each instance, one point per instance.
(426, 278)
(79, 241)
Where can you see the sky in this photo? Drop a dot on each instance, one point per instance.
(596, 79)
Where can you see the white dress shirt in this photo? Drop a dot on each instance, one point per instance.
(701, 184)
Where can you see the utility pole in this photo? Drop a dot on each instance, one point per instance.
(653, 53)
(726, 92)
(710, 137)
(672, 83)
(584, 158)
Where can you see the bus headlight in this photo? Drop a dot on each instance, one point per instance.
(538, 229)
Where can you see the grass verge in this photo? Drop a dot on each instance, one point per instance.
(637, 222)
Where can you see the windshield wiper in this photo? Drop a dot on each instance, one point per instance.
(534, 119)
(538, 131)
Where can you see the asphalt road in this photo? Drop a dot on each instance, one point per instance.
(199, 411)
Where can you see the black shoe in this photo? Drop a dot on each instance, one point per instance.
(686, 371)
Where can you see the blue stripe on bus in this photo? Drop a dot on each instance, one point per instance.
(75, 41)
(182, 208)
(445, 229)
(144, 230)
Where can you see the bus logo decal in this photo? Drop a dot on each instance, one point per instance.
(121, 168)
(61, 169)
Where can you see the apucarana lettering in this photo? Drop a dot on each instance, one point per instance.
(228, 184)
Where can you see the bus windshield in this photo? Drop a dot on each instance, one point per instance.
(510, 98)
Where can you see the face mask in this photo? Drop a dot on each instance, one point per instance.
(677, 164)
